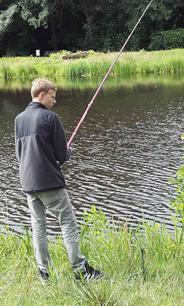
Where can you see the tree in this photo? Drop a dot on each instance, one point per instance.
(176, 17)
(35, 12)
(104, 23)
(153, 21)
(20, 19)
(6, 19)
(83, 24)
(55, 19)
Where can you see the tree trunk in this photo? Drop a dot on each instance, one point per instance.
(56, 19)
(54, 39)
(89, 21)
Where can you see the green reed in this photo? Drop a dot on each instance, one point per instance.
(142, 63)
(142, 267)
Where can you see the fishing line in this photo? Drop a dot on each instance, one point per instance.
(106, 76)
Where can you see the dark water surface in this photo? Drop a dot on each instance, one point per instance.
(124, 154)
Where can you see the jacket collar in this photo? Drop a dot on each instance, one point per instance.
(36, 104)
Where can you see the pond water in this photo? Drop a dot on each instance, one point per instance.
(124, 154)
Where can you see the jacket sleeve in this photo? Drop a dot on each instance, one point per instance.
(59, 140)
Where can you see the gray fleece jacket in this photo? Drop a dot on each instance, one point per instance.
(40, 148)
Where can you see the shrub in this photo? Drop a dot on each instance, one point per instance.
(167, 40)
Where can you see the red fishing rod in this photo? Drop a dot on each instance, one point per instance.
(106, 76)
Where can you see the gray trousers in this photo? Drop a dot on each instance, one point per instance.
(58, 203)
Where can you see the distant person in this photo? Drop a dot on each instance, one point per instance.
(41, 149)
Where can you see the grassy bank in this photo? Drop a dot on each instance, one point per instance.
(160, 63)
(141, 268)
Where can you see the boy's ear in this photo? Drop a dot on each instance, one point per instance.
(41, 95)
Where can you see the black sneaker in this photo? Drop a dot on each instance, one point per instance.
(89, 274)
(44, 277)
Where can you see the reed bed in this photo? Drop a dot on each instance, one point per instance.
(142, 63)
(142, 267)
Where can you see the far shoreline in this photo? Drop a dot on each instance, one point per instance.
(164, 63)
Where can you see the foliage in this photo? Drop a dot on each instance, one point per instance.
(142, 267)
(178, 202)
(35, 12)
(94, 66)
(83, 24)
(6, 18)
(167, 40)
(59, 55)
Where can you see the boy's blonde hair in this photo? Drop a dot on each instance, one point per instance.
(41, 85)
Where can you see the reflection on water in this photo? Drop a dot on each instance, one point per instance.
(124, 154)
(92, 83)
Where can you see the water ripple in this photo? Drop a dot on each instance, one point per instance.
(124, 155)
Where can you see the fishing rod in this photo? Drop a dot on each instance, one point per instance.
(106, 76)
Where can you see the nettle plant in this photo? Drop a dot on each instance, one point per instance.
(178, 202)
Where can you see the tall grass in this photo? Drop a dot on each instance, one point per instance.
(160, 63)
(145, 267)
